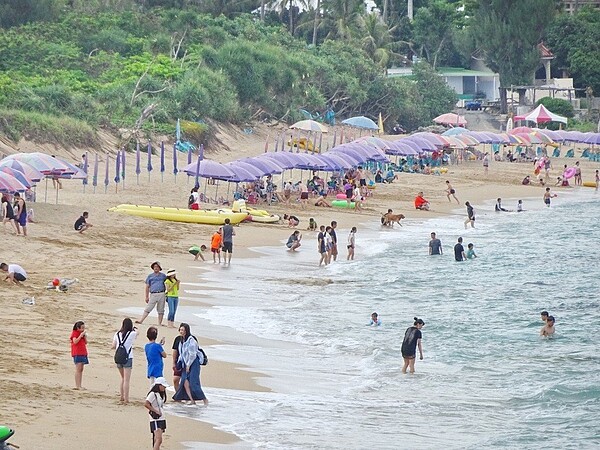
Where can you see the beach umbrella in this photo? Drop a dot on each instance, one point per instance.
(400, 148)
(123, 167)
(451, 119)
(117, 170)
(106, 181)
(309, 125)
(20, 176)
(361, 122)
(424, 145)
(201, 152)
(248, 168)
(520, 130)
(138, 167)
(455, 131)
(85, 169)
(10, 184)
(240, 174)
(266, 165)
(162, 161)
(30, 172)
(337, 160)
(175, 170)
(149, 165)
(43, 163)
(95, 176)
(435, 139)
(209, 169)
(284, 160)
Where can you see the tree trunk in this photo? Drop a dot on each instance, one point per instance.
(291, 17)
(262, 10)
(503, 103)
(521, 93)
(385, 11)
(316, 24)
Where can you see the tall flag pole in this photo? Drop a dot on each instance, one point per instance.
(95, 176)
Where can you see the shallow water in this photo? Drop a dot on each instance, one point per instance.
(487, 380)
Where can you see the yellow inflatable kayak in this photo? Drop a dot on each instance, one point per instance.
(589, 184)
(255, 215)
(208, 217)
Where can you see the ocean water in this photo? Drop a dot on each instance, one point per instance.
(488, 380)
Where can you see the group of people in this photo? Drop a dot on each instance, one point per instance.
(327, 243)
(15, 213)
(435, 248)
(222, 240)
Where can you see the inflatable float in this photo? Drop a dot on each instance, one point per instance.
(341, 196)
(201, 216)
(254, 215)
(589, 184)
(569, 173)
(343, 204)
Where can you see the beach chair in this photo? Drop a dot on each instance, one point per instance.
(252, 198)
(556, 153)
(570, 153)
(539, 152)
(585, 153)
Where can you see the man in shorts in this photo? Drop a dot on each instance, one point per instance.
(82, 224)
(228, 234)
(16, 274)
(155, 293)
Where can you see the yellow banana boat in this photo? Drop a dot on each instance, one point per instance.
(208, 217)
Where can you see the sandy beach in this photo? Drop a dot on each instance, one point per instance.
(111, 262)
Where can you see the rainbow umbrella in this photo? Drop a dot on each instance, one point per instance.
(10, 184)
(20, 176)
(30, 172)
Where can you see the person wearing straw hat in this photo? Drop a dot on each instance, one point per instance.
(154, 404)
(155, 293)
(172, 292)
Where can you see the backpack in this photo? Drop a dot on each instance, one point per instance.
(121, 354)
(191, 200)
(203, 357)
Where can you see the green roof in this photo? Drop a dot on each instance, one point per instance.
(460, 72)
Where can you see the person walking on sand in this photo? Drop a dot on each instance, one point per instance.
(578, 178)
(215, 245)
(20, 211)
(451, 192)
(82, 224)
(228, 234)
(8, 213)
(351, 244)
(459, 250)
(412, 341)
(486, 163)
(435, 245)
(155, 400)
(547, 196)
(470, 216)
(155, 293)
(79, 351)
(172, 293)
(154, 355)
(125, 337)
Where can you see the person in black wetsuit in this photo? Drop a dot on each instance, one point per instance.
(412, 340)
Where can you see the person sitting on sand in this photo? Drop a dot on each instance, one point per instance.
(16, 274)
(312, 224)
(421, 203)
(390, 176)
(548, 329)
(82, 224)
(293, 221)
(526, 181)
(321, 201)
(293, 241)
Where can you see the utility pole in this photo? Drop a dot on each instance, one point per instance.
(410, 10)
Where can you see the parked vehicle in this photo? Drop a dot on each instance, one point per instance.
(473, 105)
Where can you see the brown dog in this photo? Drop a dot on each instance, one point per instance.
(388, 220)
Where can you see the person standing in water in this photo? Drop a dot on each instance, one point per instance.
(597, 179)
(547, 196)
(412, 341)
(470, 216)
(459, 250)
(351, 244)
(548, 329)
(435, 245)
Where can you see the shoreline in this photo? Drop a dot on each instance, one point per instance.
(111, 262)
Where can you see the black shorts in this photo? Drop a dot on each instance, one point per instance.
(228, 247)
(363, 181)
(304, 195)
(452, 191)
(19, 277)
(156, 424)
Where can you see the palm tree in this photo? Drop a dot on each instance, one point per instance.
(342, 16)
(377, 40)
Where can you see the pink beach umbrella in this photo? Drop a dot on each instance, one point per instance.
(10, 184)
(30, 173)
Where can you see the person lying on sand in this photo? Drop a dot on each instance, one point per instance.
(321, 201)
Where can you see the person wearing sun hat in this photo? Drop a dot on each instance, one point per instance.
(155, 293)
(154, 404)
(172, 290)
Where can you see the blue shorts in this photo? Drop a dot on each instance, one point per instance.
(127, 365)
(80, 359)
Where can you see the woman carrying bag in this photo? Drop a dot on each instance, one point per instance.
(189, 362)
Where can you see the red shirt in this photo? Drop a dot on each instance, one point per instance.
(419, 201)
(80, 348)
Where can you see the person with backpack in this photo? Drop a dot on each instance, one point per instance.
(190, 358)
(154, 404)
(123, 344)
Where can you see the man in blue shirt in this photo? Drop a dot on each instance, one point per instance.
(155, 293)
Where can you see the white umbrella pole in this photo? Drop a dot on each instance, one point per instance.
(56, 201)
(46, 191)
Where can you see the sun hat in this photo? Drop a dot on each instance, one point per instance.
(155, 263)
(171, 272)
(161, 380)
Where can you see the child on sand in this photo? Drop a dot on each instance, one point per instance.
(312, 225)
(79, 352)
(451, 192)
(154, 355)
(154, 404)
(215, 245)
(197, 252)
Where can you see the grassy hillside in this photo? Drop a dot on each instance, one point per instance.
(61, 80)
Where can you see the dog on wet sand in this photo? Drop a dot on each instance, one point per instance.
(389, 219)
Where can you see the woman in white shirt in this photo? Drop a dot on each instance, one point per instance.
(125, 335)
(154, 403)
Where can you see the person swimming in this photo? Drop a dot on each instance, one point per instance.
(548, 329)
(375, 321)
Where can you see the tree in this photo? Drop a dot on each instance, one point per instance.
(436, 96)
(508, 32)
(433, 28)
(377, 40)
(17, 12)
(341, 17)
